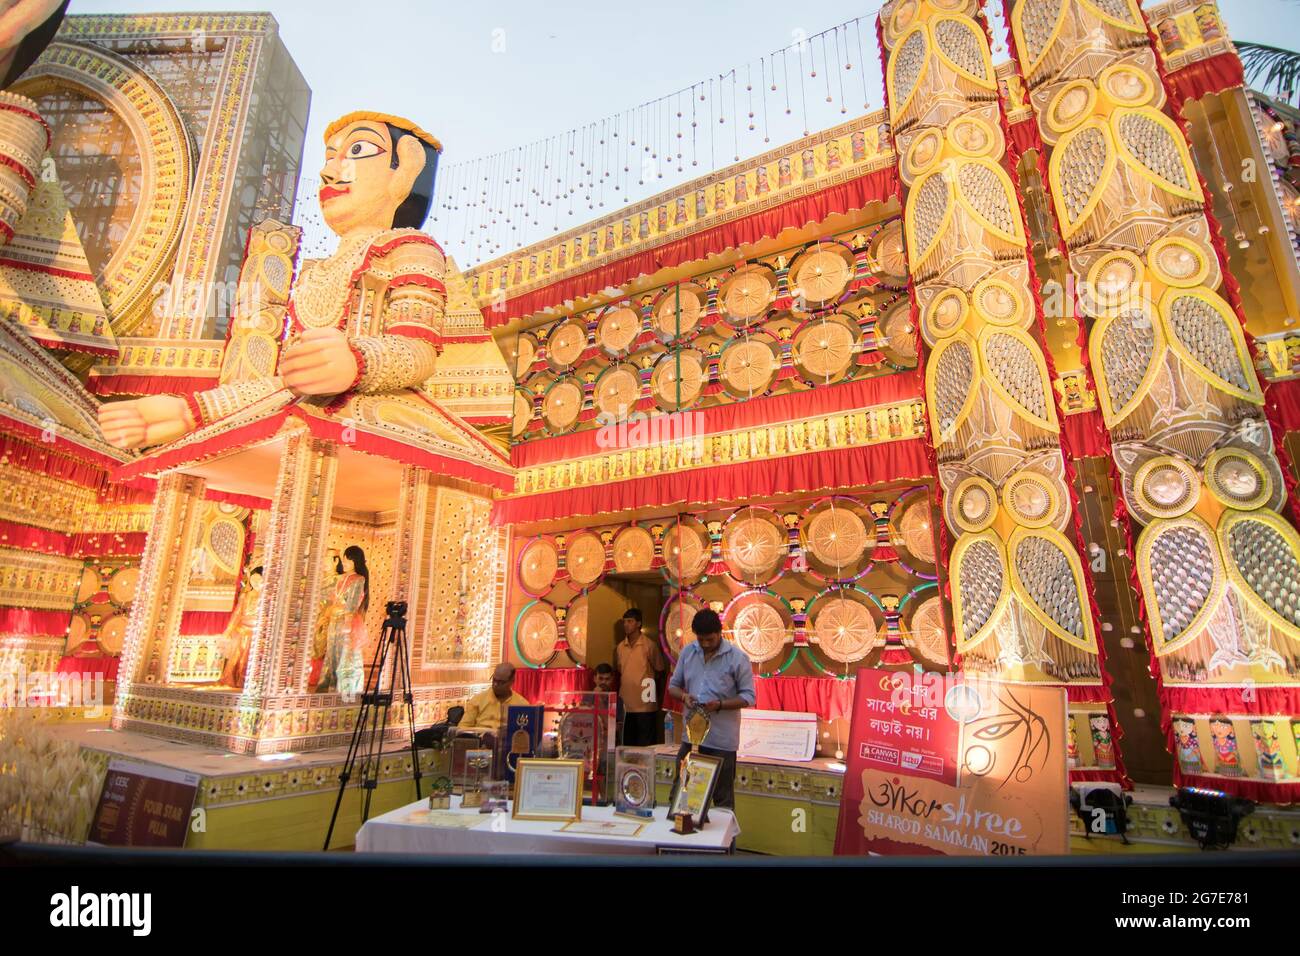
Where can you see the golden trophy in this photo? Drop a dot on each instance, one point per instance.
(697, 722)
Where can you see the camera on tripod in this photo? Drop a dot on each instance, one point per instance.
(396, 611)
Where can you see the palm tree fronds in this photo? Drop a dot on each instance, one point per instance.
(1270, 67)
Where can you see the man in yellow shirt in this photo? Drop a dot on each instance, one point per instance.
(487, 709)
(639, 663)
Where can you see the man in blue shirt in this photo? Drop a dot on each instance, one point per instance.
(714, 675)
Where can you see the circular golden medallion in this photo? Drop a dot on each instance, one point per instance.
(748, 366)
(974, 503)
(538, 563)
(823, 349)
(1178, 262)
(634, 549)
(123, 584)
(822, 274)
(584, 558)
(1030, 497)
(1238, 479)
(836, 536)
(746, 296)
(112, 634)
(566, 343)
(675, 622)
(679, 311)
(1166, 487)
(686, 551)
(844, 628)
(617, 390)
(617, 330)
(677, 379)
(538, 633)
(754, 545)
(575, 628)
(562, 405)
(926, 633)
(758, 629)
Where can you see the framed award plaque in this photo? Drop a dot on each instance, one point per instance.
(548, 789)
(634, 782)
(696, 790)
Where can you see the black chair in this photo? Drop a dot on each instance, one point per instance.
(432, 736)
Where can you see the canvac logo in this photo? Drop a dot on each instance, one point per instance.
(133, 910)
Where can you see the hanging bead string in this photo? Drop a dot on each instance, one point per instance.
(488, 205)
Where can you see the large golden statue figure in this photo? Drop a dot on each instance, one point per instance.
(365, 322)
(325, 412)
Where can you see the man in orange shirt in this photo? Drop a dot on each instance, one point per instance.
(639, 663)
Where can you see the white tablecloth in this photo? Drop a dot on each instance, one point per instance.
(395, 832)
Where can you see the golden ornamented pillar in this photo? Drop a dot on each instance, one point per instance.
(416, 540)
(1218, 566)
(1021, 605)
(279, 657)
(164, 576)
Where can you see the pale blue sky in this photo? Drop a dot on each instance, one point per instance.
(488, 76)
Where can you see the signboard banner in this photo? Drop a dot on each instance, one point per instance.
(143, 805)
(941, 765)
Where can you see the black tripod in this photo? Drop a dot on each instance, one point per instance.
(372, 718)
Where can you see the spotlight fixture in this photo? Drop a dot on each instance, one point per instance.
(1211, 816)
(1103, 808)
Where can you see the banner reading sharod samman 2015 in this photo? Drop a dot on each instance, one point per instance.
(942, 766)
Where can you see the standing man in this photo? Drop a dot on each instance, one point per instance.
(714, 675)
(638, 661)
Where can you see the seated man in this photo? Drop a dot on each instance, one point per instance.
(487, 710)
(603, 677)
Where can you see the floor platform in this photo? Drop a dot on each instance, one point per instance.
(271, 802)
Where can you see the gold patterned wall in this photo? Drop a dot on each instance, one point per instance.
(1020, 601)
(1176, 382)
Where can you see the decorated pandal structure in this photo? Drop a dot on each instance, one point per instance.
(999, 380)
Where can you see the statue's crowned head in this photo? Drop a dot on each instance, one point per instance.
(378, 174)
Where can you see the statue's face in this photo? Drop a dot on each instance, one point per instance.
(359, 188)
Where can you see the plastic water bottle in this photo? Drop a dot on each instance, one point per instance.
(670, 728)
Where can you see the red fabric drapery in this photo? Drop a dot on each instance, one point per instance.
(830, 698)
(26, 622)
(127, 545)
(1282, 404)
(1087, 694)
(1261, 791)
(22, 446)
(880, 390)
(838, 468)
(135, 385)
(42, 540)
(1087, 435)
(1213, 75)
(1024, 137)
(845, 197)
(204, 622)
(90, 666)
(321, 428)
(534, 683)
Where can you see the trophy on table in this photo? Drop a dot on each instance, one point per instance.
(697, 724)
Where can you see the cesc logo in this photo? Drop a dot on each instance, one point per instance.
(74, 909)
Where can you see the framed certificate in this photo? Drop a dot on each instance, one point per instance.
(696, 790)
(619, 828)
(548, 789)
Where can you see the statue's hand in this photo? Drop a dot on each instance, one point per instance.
(145, 421)
(320, 362)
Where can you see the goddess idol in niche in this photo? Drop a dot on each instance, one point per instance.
(345, 626)
(365, 324)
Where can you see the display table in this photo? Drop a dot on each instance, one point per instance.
(468, 832)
